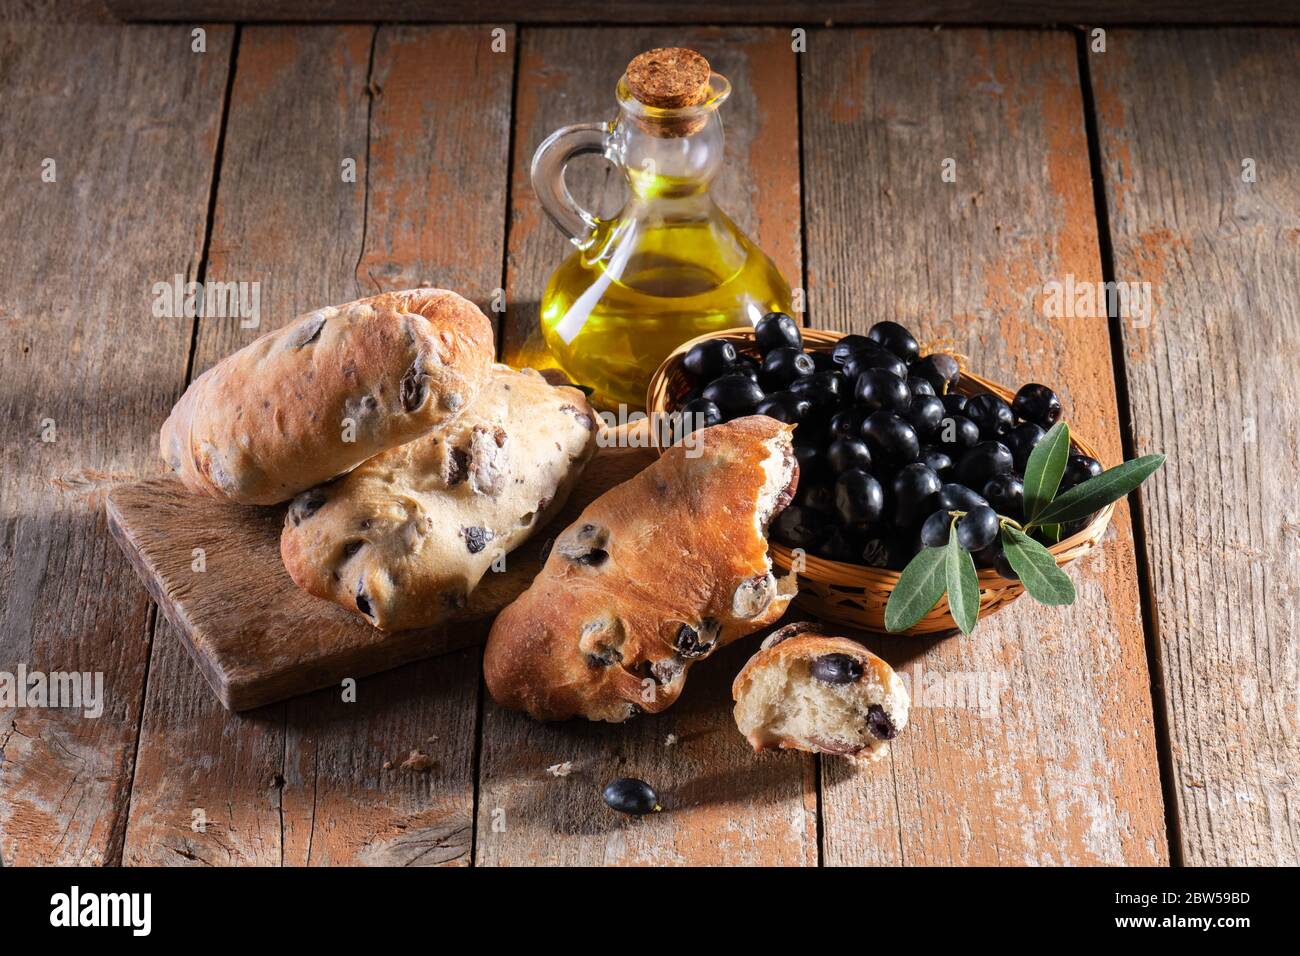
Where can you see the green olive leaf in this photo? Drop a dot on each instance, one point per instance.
(918, 590)
(1096, 493)
(1045, 467)
(963, 584)
(1039, 573)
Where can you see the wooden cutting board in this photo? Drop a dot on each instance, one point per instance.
(256, 636)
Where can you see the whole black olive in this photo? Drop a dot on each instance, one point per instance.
(859, 499)
(744, 366)
(824, 361)
(875, 357)
(784, 407)
(818, 497)
(916, 493)
(784, 365)
(709, 359)
(935, 529)
(836, 669)
(890, 438)
(982, 462)
(812, 460)
(835, 543)
(826, 390)
(735, 395)
(848, 423)
(955, 403)
(956, 433)
(919, 386)
(878, 388)
(630, 795)
(977, 529)
(847, 345)
(1021, 440)
(955, 497)
(940, 370)
(777, 330)
(1000, 563)
(894, 338)
(1006, 495)
(937, 459)
(845, 453)
(925, 414)
(1038, 404)
(991, 414)
(700, 413)
(798, 526)
(1078, 469)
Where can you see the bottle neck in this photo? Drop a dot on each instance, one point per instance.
(662, 167)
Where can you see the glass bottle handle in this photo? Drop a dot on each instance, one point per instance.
(548, 176)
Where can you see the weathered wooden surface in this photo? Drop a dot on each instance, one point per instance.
(1212, 380)
(1064, 770)
(255, 635)
(718, 11)
(85, 356)
(725, 803)
(306, 782)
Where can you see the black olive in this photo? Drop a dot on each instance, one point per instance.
(916, 493)
(877, 388)
(1021, 440)
(1001, 565)
(818, 497)
(352, 547)
(956, 433)
(1038, 404)
(744, 366)
(878, 722)
(940, 370)
(847, 345)
(835, 543)
(306, 505)
(919, 386)
(938, 460)
(414, 387)
(848, 423)
(925, 414)
(982, 462)
(1078, 469)
(735, 395)
(836, 669)
(894, 338)
(845, 453)
(784, 407)
(955, 497)
(935, 529)
(826, 390)
(476, 539)
(700, 413)
(991, 414)
(812, 460)
(824, 361)
(1006, 495)
(875, 357)
(954, 403)
(859, 499)
(798, 526)
(977, 529)
(891, 439)
(709, 359)
(691, 644)
(777, 330)
(363, 602)
(782, 366)
(630, 795)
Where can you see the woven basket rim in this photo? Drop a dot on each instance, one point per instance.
(861, 575)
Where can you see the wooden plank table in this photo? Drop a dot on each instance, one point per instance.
(1152, 722)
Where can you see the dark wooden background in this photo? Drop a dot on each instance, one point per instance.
(1154, 721)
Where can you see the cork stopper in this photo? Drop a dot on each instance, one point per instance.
(669, 78)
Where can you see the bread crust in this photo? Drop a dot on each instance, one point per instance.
(405, 537)
(791, 651)
(271, 420)
(599, 634)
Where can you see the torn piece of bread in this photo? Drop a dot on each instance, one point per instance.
(806, 690)
(334, 387)
(656, 574)
(404, 538)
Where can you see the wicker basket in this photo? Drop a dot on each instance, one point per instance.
(853, 594)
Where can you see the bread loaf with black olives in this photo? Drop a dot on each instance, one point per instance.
(653, 576)
(334, 387)
(807, 690)
(405, 537)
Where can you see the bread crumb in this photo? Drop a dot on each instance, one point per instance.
(560, 769)
(670, 740)
(418, 761)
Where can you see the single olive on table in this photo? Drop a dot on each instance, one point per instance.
(892, 458)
